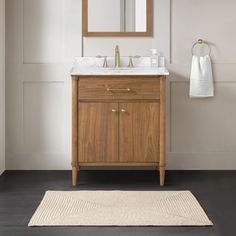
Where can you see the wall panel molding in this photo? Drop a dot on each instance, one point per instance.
(202, 125)
(188, 27)
(43, 116)
(35, 80)
(221, 72)
(201, 161)
(43, 31)
(172, 35)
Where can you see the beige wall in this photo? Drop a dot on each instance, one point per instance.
(2, 86)
(42, 42)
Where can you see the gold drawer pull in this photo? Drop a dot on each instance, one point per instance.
(114, 110)
(123, 110)
(118, 89)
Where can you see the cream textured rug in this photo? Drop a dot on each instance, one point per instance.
(119, 208)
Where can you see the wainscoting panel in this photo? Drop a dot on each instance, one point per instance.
(203, 125)
(44, 37)
(43, 31)
(202, 131)
(44, 117)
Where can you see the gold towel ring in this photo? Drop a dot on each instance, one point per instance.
(201, 41)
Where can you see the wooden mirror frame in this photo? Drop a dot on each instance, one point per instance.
(148, 33)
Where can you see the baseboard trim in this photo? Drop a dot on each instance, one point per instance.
(201, 161)
(175, 161)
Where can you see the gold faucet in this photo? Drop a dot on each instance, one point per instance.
(117, 56)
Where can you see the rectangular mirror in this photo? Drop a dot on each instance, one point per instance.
(117, 18)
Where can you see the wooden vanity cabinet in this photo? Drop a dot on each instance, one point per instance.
(118, 121)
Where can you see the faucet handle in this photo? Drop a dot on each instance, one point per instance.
(131, 61)
(105, 64)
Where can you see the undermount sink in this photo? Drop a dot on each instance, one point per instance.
(93, 66)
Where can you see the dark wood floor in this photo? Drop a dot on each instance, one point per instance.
(22, 191)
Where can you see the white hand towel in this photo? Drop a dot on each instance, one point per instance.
(201, 80)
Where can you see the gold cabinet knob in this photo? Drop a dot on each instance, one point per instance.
(123, 110)
(114, 110)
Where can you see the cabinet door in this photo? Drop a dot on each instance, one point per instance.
(139, 132)
(98, 132)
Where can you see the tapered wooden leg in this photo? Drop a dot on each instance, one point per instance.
(74, 175)
(162, 175)
(162, 162)
(74, 162)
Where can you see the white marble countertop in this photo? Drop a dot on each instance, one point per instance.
(86, 66)
(118, 71)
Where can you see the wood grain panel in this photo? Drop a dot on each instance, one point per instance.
(98, 132)
(140, 88)
(120, 164)
(139, 132)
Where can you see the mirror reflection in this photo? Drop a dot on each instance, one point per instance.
(117, 15)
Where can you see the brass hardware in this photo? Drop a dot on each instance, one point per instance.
(114, 110)
(123, 110)
(131, 65)
(105, 64)
(117, 56)
(118, 89)
(201, 41)
(131, 62)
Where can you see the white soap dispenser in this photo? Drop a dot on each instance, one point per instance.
(162, 60)
(154, 58)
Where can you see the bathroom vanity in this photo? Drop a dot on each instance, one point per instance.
(118, 117)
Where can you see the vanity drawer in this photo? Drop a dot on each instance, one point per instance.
(119, 88)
